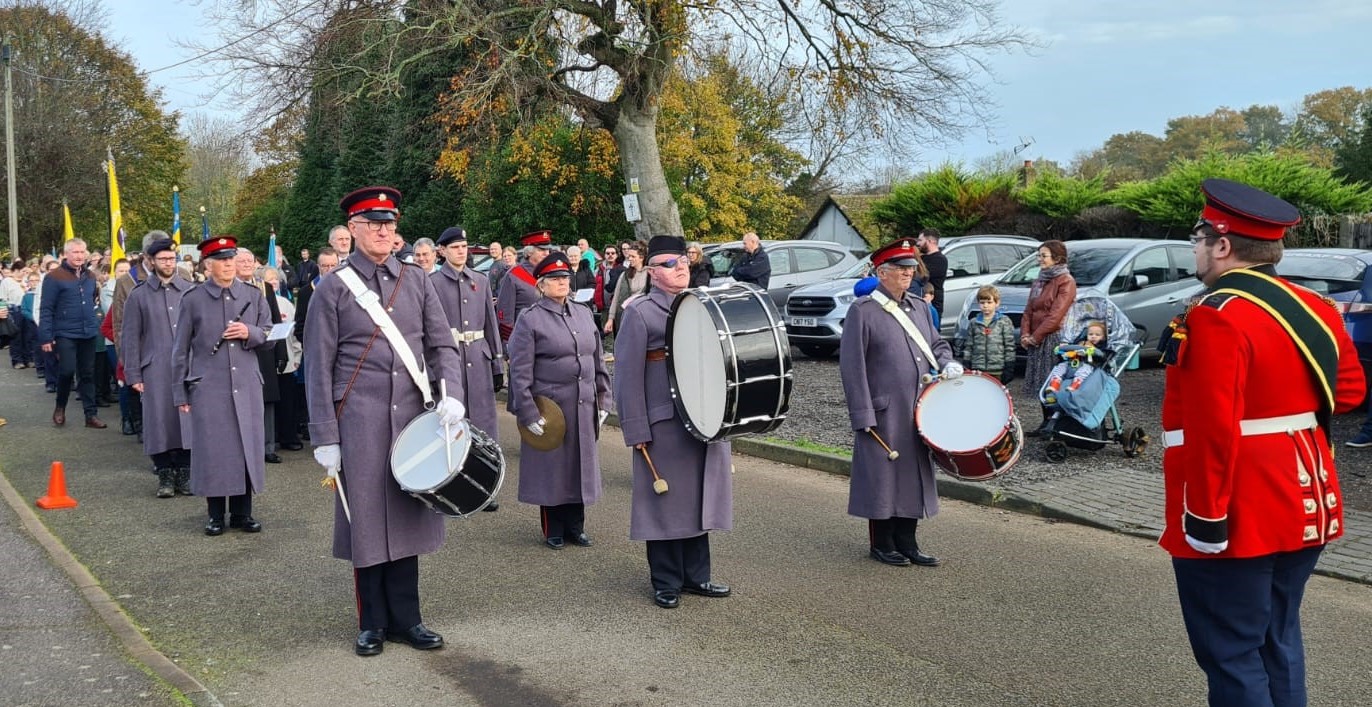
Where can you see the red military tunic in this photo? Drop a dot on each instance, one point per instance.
(1264, 493)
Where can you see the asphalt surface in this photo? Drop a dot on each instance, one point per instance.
(1024, 611)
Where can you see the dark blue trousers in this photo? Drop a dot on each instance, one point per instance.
(388, 595)
(1243, 620)
(673, 564)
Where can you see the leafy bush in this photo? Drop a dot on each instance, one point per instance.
(949, 199)
(1063, 197)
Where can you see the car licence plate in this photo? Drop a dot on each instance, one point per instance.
(804, 321)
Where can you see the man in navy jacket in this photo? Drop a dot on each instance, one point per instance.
(68, 324)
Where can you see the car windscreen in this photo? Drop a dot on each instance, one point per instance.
(1087, 265)
(1326, 274)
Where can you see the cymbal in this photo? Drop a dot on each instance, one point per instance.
(555, 425)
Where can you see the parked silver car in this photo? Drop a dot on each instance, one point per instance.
(1151, 280)
(794, 264)
(815, 313)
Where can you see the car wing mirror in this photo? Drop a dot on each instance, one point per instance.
(1140, 282)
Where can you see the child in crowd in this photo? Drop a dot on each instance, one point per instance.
(1081, 359)
(990, 343)
(929, 300)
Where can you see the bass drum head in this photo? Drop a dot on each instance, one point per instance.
(963, 414)
(696, 363)
(418, 460)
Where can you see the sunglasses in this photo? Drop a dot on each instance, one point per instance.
(668, 263)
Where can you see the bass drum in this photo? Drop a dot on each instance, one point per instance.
(970, 427)
(729, 361)
(420, 463)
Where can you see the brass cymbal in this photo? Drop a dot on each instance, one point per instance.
(555, 426)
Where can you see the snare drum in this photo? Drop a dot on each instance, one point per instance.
(970, 427)
(420, 465)
(729, 361)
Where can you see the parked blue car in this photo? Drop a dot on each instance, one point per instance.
(1345, 276)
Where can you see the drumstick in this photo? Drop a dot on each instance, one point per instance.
(890, 453)
(447, 432)
(659, 484)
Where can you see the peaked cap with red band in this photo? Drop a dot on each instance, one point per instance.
(372, 203)
(555, 265)
(218, 248)
(1241, 210)
(542, 239)
(901, 252)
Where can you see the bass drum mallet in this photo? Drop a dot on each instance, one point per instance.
(890, 453)
(659, 483)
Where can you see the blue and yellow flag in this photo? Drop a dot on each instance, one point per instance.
(176, 215)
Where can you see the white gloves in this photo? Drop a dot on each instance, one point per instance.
(329, 456)
(600, 420)
(1207, 548)
(537, 427)
(450, 411)
(953, 369)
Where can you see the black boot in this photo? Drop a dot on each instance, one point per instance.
(183, 480)
(126, 425)
(166, 482)
(1046, 427)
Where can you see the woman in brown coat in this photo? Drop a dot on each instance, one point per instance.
(1049, 299)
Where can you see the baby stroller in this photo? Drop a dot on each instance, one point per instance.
(1086, 418)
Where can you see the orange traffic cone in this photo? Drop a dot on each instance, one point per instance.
(57, 490)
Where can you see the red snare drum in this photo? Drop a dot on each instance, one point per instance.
(970, 427)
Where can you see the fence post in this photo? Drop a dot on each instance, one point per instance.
(1345, 231)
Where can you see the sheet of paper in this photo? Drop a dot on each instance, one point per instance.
(585, 295)
(281, 331)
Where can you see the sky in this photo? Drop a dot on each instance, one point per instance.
(1103, 66)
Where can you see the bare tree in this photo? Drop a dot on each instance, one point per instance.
(900, 71)
(219, 162)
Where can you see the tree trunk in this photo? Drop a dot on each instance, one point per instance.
(635, 134)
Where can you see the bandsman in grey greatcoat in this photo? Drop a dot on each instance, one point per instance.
(466, 297)
(218, 386)
(556, 352)
(517, 289)
(882, 368)
(699, 495)
(361, 396)
(151, 314)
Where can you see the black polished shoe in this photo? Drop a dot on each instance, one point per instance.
(920, 558)
(667, 598)
(579, 539)
(214, 527)
(890, 557)
(370, 642)
(491, 507)
(418, 636)
(708, 589)
(273, 458)
(245, 524)
(554, 543)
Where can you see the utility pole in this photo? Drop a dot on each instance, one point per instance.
(6, 52)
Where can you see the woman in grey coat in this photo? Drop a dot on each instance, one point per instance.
(882, 370)
(555, 351)
(699, 496)
(214, 366)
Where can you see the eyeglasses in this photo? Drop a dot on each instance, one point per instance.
(1198, 238)
(168, 259)
(376, 226)
(1042, 256)
(668, 263)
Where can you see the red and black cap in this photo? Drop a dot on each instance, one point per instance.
(1232, 208)
(451, 235)
(901, 252)
(542, 239)
(372, 203)
(555, 265)
(218, 248)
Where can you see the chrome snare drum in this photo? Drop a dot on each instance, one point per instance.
(729, 361)
(456, 477)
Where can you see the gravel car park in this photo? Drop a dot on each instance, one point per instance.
(815, 313)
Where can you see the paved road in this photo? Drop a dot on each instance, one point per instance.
(1024, 612)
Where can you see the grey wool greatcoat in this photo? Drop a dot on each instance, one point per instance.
(555, 351)
(700, 494)
(151, 315)
(515, 296)
(224, 389)
(466, 298)
(881, 368)
(387, 522)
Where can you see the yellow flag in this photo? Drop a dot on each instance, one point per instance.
(68, 232)
(116, 216)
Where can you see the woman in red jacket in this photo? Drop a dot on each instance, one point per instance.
(1049, 299)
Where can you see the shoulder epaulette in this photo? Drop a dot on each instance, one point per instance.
(1217, 300)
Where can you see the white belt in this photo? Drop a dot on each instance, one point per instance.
(1253, 428)
(467, 337)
